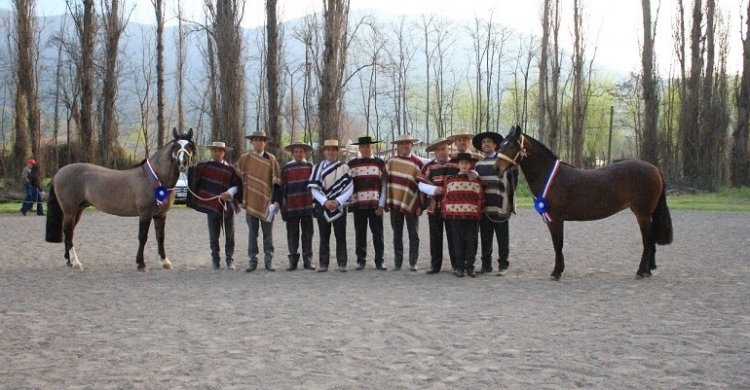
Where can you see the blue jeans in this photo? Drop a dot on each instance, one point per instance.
(32, 195)
(253, 230)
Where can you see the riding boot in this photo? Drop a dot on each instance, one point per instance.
(269, 267)
(307, 263)
(252, 266)
(293, 261)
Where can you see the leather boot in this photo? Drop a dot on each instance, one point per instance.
(307, 263)
(269, 267)
(293, 261)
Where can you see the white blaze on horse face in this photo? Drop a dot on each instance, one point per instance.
(183, 155)
(75, 263)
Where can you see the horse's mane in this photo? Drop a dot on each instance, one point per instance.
(545, 149)
(140, 163)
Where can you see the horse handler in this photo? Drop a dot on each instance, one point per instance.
(213, 185)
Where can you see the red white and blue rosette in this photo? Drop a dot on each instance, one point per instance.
(541, 204)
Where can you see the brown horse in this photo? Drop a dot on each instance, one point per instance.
(143, 191)
(563, 192)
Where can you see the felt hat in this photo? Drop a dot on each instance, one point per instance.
(405, 138)
(218, 145)
(365, 140)
(477, 140)
(436, 144)
(297, 144)
(465, 157)
(258, 134)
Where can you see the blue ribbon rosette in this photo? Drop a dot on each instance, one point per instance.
(161, 194)
(541, 205)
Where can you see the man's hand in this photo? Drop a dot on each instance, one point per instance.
(379, 211)
(473, 175)
(225, 196)
(331, 205)
(276, 205)
(439, 191)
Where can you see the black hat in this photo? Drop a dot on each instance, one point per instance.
(477, 140)
(366, 140)
(465, 157)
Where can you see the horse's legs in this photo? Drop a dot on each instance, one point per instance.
(159, 225)
(556, 229)
(143, 225)
(69, 224)
(648, 258)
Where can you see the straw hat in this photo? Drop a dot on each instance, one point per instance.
(437, 143)
(297, 144)
(405, 138)
(330, 143)
(366, 140)
(258, 134)
(218, 145)
(477, 140)
(461, 134)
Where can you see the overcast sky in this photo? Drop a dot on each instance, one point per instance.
(613, 26)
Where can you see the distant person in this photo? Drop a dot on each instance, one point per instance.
(32, 176)
(297, 205)
(368, 201)
(403, 199)
(331, 186)
(261, 196)
(209, 180)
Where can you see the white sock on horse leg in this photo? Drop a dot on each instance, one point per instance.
(76, 263)
(166, 263)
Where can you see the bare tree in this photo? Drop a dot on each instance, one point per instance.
(180, 68)
(553, 104)
(143, 80)
(161, 127)
(690, 108)
(85, 21)
(272, 76)
(444, 41)
(401, 57)
(334, 62)
(579, 99)
(27, 102)
(543, 76)
(740, 171)
(649, 146)
(114, 24)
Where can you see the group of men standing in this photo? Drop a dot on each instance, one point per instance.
(460, 192)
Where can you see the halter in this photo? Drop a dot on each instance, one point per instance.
(182, 150)
(520, 154)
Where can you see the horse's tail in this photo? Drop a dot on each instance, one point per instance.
(661, 221)
(54, 231)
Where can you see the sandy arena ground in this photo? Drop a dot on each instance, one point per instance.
(688, 327)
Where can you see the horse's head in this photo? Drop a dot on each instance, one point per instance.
(511, 151)
(183, 149)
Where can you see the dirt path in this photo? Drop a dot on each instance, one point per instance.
(112, 327)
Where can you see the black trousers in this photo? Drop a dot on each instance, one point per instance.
(437, 224)
(412, 227)
(293, 227)
(465, 239)
(339, 231)
(489, 229)
(215, 222)
(361, 219)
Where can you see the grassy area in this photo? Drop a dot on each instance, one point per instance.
(726, 199)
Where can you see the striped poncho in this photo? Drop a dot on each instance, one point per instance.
(497, 206)
(435, 173)
(403, 193)
(296, 198)
(367, 174)
(333, 180)
(463, 198)
(207, 180)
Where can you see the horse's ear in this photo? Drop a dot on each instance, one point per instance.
(517, 131)
(174, 132)
(190, 134)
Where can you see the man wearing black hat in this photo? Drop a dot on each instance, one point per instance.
(368, 201)
(498, 202)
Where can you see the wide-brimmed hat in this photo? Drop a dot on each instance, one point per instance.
(477, 140)
(217, 145)
(297, 144)
(405, 138)
(366, 140)
(258, 134)
(437, 143)
(460, 134)
(465, 156)
(331, 143)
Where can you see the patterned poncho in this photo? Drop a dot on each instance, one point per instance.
(463, 198)
(260, 174)
(403, 194)
(435, 173)
(498, 191)
(208, 179)
(296, 198)
(367, 174)
(332, 179)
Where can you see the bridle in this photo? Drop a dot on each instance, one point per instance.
(183, 155)
(519, 155)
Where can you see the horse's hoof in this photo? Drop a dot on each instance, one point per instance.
(639, 276)
(167, 265)
(555, 278)
(142, 268)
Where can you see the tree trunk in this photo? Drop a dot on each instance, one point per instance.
(87, 34)
(180, 69)
(114, 27)
(334, 61)
(690, 109)
(228, 39)
(272, 77)
(160, 126)
(649, 144)
(543, 60)
(740, 157)
(579, 108)
(553, 112)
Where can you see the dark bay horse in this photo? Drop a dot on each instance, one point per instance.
(142, 191)
(563, 192)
